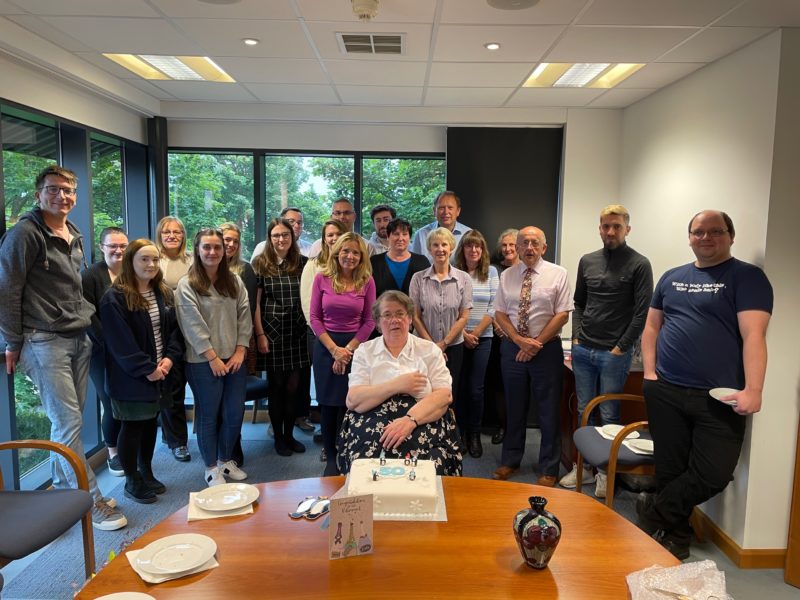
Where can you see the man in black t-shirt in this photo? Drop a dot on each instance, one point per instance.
(706, 329)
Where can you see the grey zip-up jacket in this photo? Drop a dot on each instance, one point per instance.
(40, 281)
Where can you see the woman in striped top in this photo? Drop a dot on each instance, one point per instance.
(472, 256)
(142, 344)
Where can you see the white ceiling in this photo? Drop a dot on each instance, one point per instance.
(444, 65)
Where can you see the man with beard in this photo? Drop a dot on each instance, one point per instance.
(379, 240)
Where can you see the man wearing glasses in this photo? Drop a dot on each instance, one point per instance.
(342, 211)
(706, 329)
(44, 319)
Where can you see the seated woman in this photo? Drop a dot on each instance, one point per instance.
(399, 396)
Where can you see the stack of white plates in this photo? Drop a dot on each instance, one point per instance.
(610, 432)
(641, 446)
(176, 554)
(230, 496)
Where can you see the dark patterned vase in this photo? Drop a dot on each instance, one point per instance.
(537, 532)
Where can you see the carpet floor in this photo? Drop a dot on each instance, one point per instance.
(58, 572)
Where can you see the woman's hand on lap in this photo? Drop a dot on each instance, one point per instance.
(397, 432)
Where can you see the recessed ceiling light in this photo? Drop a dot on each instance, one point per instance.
(184, 68)
(250, 41)
(592, 75)
(492, 46)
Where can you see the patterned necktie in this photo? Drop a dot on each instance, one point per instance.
(525, 302)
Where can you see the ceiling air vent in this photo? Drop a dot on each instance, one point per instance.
(370, 43)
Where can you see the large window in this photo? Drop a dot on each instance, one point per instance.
(409, 185)
(311, 183)
(206, 190)
(107, 190)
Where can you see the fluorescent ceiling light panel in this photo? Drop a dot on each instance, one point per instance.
(181, 68)
(616, 74)
(579, 74)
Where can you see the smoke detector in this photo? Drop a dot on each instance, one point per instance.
(365, 9)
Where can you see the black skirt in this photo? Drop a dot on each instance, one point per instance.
(361, 432)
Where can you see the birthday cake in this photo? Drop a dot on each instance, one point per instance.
(399, 487)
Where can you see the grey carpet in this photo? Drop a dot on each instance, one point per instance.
(58, 572)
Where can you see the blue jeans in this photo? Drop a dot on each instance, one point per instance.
(599, 372)
(219, 410)
(469, 410)
(59, 367)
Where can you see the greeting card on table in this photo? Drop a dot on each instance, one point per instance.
(350, 530)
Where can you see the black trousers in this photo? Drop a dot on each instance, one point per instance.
(174, 430)
(697, 442)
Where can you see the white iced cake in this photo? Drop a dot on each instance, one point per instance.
(397, 488)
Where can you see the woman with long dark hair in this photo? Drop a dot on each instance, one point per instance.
(142, 344)
(341, 316)
(280, 330)
(214, 316)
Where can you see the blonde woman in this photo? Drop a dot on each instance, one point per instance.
(175, 262)
(341, 316)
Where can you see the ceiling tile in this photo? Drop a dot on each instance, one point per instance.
(479, 74)
(765, 13)
(714, 43)
(108, 65)
(616, 44)
(618, 98)
(133, 35)
(223, 37)
(90, 8)
(478, 12)
(462, 96)
(293, 94)
(403, 11)
(656, 75)
(45, 30)
(149, 88)
(244, 9)
(272, 70)
(553, 97)
(205, 91)
(417, 39)
(361, 72)
(465, 42)
(387, 95)
(655, 12)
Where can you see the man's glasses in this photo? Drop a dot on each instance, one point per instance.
(294, 222)
(115, 246)
(714, 233)
(53, 190)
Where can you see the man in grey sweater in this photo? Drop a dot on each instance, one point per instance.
(612, 294)
(44, 318)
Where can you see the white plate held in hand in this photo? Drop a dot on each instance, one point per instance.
(229, 496)
(176, 554)
(720, 393)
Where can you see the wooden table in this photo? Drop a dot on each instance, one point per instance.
(473, 555)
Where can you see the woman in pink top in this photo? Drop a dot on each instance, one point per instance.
(341, 316)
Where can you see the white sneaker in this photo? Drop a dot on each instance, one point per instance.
(570, 480)
(601, 482)
(231, 471)
(214, 477)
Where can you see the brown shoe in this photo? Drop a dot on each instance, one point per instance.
(546, 480)
(503, 472)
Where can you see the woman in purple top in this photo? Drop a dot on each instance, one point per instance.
(341, 316)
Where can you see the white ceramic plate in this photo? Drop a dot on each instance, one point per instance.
(720, 393)
(126, 596)
(229, 496)
(176, 554)
(611, 430)
(642, 445)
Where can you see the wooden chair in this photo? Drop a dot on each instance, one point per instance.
(616, 458)
(30, 520)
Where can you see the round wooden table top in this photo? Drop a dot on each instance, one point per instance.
(472, 555)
